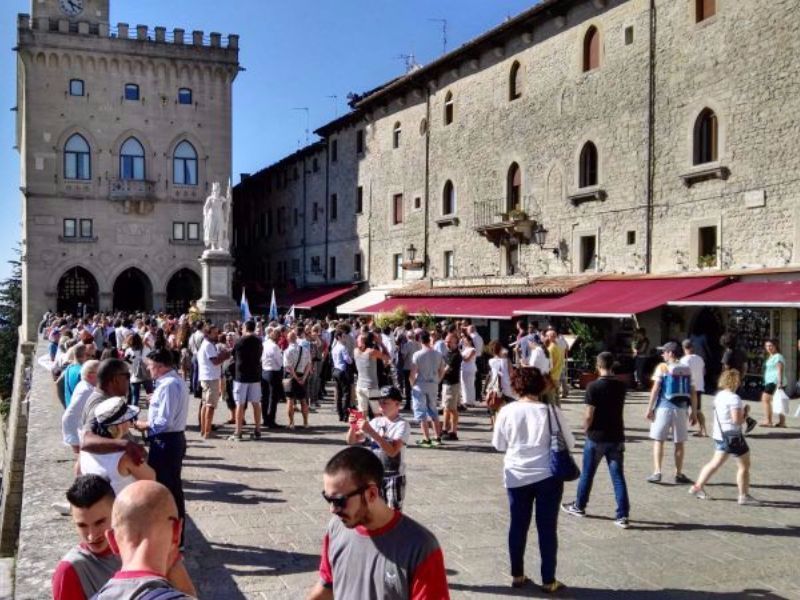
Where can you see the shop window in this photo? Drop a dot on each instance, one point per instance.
(448, 199)
(397, 209)
(591, 50)
(707, 246)
(514, 90)
(588, 253)
(704, 9)
(587, 175)
(448, 108)
(76, 87)
(706, 137)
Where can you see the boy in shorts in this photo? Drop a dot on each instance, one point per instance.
(387, 436)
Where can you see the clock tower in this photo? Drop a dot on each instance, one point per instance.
(90, 11)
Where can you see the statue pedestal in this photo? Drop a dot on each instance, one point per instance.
(217, 304)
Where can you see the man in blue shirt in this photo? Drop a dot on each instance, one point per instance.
(166, 423)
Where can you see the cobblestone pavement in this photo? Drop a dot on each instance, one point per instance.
(256, 517)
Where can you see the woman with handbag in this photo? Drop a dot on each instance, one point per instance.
(729, 415)
(498, 387)
(532, 473)
(774, 382)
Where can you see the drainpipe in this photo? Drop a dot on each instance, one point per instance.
(327, 209)
(305, 221)
(651, 133)
(425, 260)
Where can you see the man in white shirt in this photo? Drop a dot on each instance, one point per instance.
(271, 378)
(697, 366)
(209, 361)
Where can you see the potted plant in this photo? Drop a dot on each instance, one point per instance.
(517, 214)
(584, 351)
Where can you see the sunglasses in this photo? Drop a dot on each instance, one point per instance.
(339, 502)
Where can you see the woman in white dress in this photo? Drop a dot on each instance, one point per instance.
(468, 369)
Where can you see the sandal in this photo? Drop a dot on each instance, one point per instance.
(521, 582)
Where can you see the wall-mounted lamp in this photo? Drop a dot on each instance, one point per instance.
(539, 235)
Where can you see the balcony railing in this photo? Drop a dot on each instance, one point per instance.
(496, 222)
(131, 189)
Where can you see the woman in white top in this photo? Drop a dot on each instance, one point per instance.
(468, 369)
(499, 367)
(538, 357)
(112, 419)
(134, 350)
(522, 430)
(729, 415)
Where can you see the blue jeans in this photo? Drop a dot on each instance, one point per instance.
(547, 496)
(614, 453)
(134, 393)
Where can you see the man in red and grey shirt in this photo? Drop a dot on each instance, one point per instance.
(370, 551)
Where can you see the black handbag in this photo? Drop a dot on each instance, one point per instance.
(562, 465)
(733, 442)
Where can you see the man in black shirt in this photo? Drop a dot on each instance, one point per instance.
(451, 387)
(247, 379)
(605, 438)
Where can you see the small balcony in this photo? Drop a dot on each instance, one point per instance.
(498, 224)
(121, 190)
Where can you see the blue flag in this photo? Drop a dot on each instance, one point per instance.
(245, 308)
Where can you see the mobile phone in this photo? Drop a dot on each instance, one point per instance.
(358, 415)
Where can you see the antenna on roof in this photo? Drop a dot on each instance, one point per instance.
(308, 120)
(444, 33)
(335, 99)
(409, 60)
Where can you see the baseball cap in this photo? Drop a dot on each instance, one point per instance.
(671, 347)
(114, 411)
(391, 393)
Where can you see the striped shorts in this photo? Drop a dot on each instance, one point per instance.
(394, 490)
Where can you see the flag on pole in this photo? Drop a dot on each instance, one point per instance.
(273, 308)
(245, 307)
(290, 315)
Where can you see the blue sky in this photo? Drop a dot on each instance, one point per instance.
(296, 54)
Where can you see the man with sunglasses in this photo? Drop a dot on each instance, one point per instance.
(371, 552)
(145, 533)
(387, 436)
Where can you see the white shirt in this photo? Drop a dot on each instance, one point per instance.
(71, 420)
(468, 366)
(697, 366)
(398, 429)
(724, 402)
(538, 359)
(522, 432)
(208, 371)
(477, 341)
(271, 357)
(499, 367)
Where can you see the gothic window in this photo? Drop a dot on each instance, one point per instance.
(706, 137)
(184, 164)
(396, 135)
(591, 49)
(449, 199)
(514, 91)
(77, 158)
(448, 108)
(131, 160)
(514, 188)
(587, 168)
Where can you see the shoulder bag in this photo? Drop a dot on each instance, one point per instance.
(733, 441)
(562, 465)
(287, 379)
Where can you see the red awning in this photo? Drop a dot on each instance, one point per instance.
(478, 307)
(309, 298)
(766, 294)
(621, 298)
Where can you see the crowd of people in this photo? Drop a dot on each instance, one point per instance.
(107, 369)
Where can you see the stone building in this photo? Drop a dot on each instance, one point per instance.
(121, 131)
(580, 140)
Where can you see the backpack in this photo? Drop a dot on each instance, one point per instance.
(676, 387)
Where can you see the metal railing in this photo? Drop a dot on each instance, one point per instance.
(496, 211)
(131, 189)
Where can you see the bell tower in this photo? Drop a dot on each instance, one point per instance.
(89, 11)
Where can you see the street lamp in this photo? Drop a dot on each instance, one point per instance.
(539, 235)
(411, 253)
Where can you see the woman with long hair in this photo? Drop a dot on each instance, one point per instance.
(729, 415)
(522, 430)
(469, 368)
(774, 380)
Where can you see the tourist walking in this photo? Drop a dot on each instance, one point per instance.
(371, 551)
(367, 355)
(522, 430)
(605, 439)
(729, 439)
(697, 366)
(427, 369)
(672, 405)
(640, 347)
(134, 355)
(774, 380)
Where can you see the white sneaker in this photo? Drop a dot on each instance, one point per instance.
(748, 500)
(699, 494)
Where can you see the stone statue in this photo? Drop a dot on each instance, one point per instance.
(216, 216)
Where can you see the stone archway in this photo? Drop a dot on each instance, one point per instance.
(133, 291)
(77, 289)
(183, 287)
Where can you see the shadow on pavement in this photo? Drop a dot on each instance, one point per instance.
(790, 531)
(228, 493)
(214, 566)
(229, 467)
(595, 594)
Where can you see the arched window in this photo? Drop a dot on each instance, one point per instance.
(184, 164)
(514, 188)
(396, 135)
(77, 158)
(449, 199)
(706, 136)
(591, 49)
(131, 160)
(514, 91)
(448, 108)
(587, 169)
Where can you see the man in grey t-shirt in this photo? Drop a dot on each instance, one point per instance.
(427, 370)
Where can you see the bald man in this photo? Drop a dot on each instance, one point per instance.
(145, 533)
